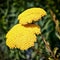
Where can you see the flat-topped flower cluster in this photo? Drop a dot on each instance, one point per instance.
(23, 34)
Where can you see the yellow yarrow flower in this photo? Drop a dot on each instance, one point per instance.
(22, 37)
(30, 15)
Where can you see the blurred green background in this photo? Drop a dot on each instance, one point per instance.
(50, 27)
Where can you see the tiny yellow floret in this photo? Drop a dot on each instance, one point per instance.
(22, 37)
(30, 15)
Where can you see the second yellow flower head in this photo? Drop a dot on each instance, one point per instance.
(30, 15)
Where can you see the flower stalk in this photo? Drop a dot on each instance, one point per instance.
(47, 45)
